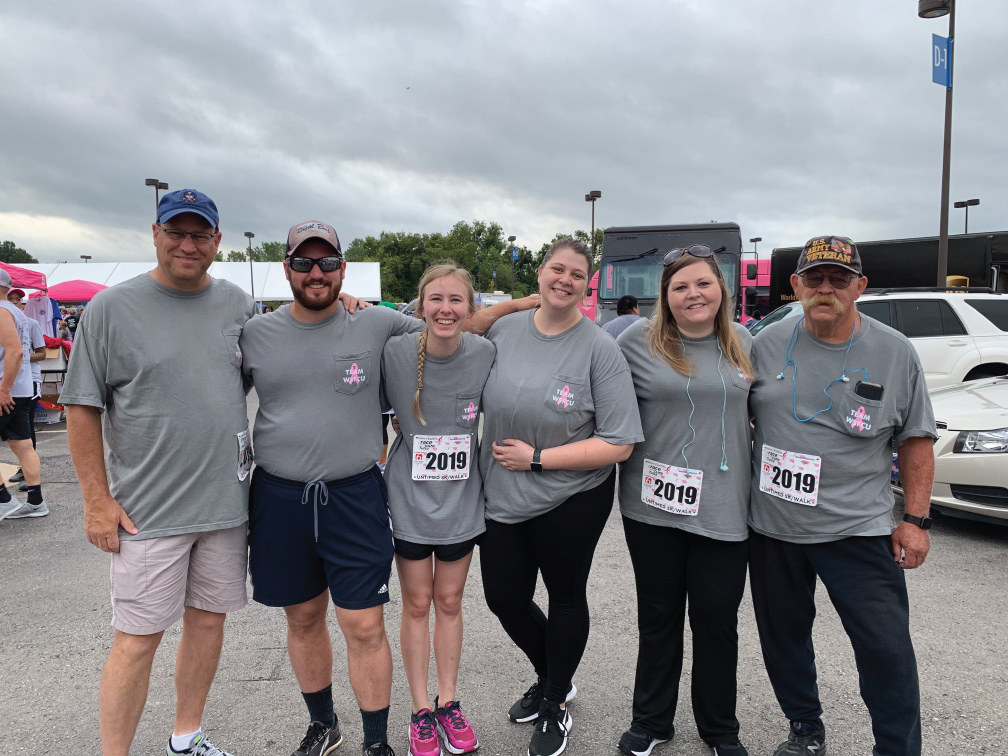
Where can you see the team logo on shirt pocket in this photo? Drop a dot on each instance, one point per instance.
(738, 378)
(467, 407)
(353, 371)
(863, 417)
(231, 336)
(566, 393)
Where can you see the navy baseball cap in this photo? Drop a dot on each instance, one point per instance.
(187, 201)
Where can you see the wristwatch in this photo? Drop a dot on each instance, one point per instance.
(536, 465)
(924, 523)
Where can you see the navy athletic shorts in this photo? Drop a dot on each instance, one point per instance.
(306, 537)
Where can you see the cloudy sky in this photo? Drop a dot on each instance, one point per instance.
(789, 117)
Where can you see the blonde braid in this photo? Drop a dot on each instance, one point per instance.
(421, 358)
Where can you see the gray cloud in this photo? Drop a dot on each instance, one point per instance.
(792, 118)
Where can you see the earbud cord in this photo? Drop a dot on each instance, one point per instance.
(794, 375)
(724, 407)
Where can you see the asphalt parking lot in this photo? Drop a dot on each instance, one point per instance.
(55, 635)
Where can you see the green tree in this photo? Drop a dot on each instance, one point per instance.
(11, 253)
(219, 257)
(236, 256)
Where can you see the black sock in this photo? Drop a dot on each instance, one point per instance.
(375, 726)
(320, 706)
(4, 494)
(35, 494)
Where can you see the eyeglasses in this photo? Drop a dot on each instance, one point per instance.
(814, 279)
(199, 239)
(697, 250)
(305, 264)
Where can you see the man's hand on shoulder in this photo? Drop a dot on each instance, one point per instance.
(351, 303)
(910, 545)
(102, 520)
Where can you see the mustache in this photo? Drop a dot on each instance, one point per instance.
(823, 299)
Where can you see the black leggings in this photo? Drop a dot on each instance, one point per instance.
(560, 544)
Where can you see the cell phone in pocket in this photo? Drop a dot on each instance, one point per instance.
(870, 391)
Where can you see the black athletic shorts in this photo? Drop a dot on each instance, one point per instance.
(443, 552)
(306, 537)
(16, 424)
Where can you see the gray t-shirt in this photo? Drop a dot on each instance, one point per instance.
(436, 510)
(853, 439)
(319, 409)
(620, 323)
(164, 366)
(22, 386)
(548, 391)
(719, 393)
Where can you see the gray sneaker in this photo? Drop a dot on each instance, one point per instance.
(202, 747)
(8, 508)
(28, 510)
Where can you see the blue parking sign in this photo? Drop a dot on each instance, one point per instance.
(941, 61)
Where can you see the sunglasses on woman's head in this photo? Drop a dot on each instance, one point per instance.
(697, 250)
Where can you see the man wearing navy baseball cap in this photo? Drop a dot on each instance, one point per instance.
(158, 357)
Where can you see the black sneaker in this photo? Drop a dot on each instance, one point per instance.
(526, 708)
(804, 739)
(378, 749)
(320, 740)
(730, 749)
(550, 735)
(16, 477)
(636, 743)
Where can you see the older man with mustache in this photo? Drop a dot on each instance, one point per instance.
(835, 392)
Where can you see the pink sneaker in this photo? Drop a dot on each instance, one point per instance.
(423, 739)
(458, 734)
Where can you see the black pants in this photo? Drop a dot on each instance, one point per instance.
(672, 566)
(560, 544)
(868, 590)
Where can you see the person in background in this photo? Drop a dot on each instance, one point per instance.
(559, 411)
(684, 497)
(627, 313)
(436, 494)
(36, 350)
(72, 319)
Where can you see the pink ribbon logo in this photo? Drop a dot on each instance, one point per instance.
(859, 418)
(470, 412)
(564, 399)
(355, 375)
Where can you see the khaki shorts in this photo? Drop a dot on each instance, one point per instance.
(155, 579)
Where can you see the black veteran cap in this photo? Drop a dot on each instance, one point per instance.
(829, 250)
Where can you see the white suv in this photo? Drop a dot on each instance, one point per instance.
(959, 336)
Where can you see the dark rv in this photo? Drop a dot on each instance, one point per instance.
(632, 261)
(973, 260)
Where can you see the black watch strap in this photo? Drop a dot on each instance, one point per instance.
(536, 465)
(921, 522)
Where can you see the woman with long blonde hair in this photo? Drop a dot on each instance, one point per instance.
(684, 497)
(434, 379)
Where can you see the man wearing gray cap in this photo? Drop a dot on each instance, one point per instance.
(156, 364)
(16, 392)
(834, 394)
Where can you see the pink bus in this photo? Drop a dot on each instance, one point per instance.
(588, 302)
(755, 290)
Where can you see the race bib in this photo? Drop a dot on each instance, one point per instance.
(244, 454)
(671, 489)
(441, 457)
(790, 476)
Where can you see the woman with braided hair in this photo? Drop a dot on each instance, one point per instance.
(436, 494)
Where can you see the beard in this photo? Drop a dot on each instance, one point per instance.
(823, 299)
(316, 299)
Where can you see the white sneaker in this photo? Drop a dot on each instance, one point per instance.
(9, 507)
(28, 510)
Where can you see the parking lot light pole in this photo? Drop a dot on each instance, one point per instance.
(593, 195)
(158, 186)
(511, 241)
(936, 9)
(85, 258)
(966, 205)
(249, 235)
(756, 240)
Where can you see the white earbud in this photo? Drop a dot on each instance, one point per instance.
(844, 379)
(724, 467)
(780, 376)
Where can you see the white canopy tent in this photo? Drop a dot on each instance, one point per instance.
(363, 279)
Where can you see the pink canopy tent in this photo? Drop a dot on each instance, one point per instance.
(24, 278)
(73, 291)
